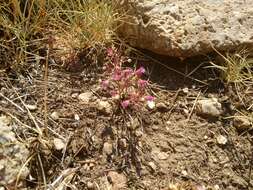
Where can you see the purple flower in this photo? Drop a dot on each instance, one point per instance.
(125, 103)
(105, 84)
(113, 93)
(139, 72)
(110, 52)
(142, 83)
(149, 98)
(127, 72)
(117, 76)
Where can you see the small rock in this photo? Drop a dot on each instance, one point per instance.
(210, 107)
(222, 140)
(155, 127)
(184, 172)
(107, 148)
(59, 144)
(168, 122)
(31, 107)
(216, 187)
(161, 106)
(186, 111)
(85, 97)
(104, 106)
(74, 95)
(152, 166)
(185, 90)
(162, 155)
(76, 117)
(150, 105)
(55, 115)
(13, 154)
(242, 122)
(119, 181)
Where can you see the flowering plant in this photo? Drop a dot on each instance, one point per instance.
(124, 83)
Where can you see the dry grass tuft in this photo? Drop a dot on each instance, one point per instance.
(235, 68)
(26, 26)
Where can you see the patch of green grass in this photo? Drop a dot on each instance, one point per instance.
(25, 26)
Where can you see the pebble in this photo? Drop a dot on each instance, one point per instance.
(155, 127)
(151, 105)
(210, 107)
(74, 95)
(59, 144)
(185, 90)
(242, 122)
(184, 172)
(31, 107)
(85, 97)
(161, 106)
(107, 148)
(104, 106)
(168, 122)
(162, 155)
(76, 117)
(55, 115)
(222, 140)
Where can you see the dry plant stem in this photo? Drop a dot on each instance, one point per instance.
(22, 124)
(29, 113)
(193, 107)
(12, 102)
(42, 171)
(46, 92)
(19, 173)
(59, 179)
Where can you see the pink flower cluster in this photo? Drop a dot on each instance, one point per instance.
(124, 83)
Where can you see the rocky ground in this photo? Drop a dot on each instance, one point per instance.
(188, 141)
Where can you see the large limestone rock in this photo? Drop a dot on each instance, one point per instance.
(184, 28)
(13, 155)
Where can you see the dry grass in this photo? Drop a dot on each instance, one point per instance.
(235, 68)
(26, 26)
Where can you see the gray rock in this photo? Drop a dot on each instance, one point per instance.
(13, 154)
(186, 28)
(222, 140)
(85, 97)
(59, 144)
(242, 122)
(104, 106)
(209, 107)
(55, 115)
